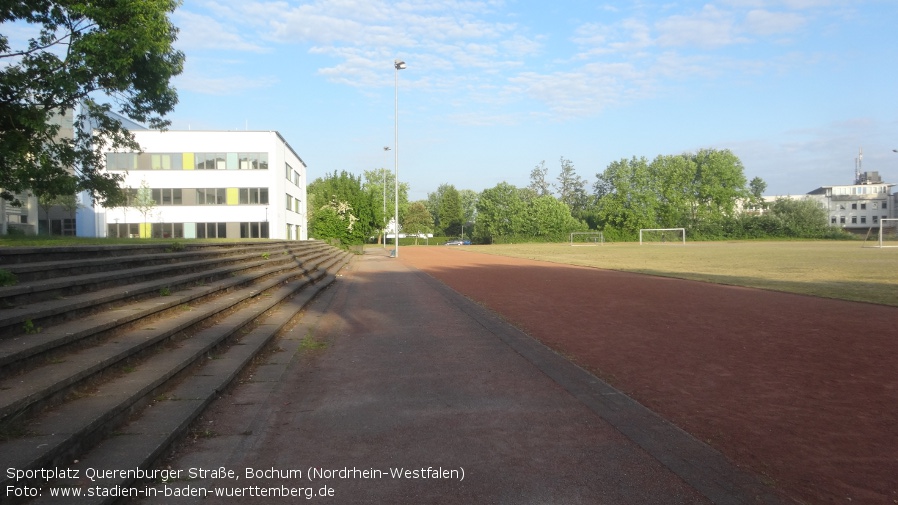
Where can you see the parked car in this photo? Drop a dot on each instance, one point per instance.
(455, 242)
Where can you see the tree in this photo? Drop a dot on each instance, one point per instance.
(144, 203)
(417, 220)
(538, 183)
(757, 187)
(341, 197)
(628, 196)
(450, 212)
(501, 214)
(121, 51)
(468, 199)
(571, 188)
(719, 183)
(550, 219)
(674, 177)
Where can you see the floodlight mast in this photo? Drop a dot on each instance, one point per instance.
(398, 65)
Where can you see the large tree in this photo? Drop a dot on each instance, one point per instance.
(90, 56)
(417, 220)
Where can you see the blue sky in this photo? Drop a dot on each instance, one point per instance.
(494, 87)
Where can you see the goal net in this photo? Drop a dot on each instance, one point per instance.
(888, 232)
(587, 238)
(662, 236)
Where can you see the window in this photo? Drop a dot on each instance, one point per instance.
(833, 220)
(853, 219)
(863, 206)
(168, 230)
(254, 230)
(883, 205)
(253, 196)
(121, 161)
(842, 219)
(211, 230)
(288, 171)
(211, 196)
(165, 161)
(289, 202)
(875, 219)
(854, 206)
(863, 219)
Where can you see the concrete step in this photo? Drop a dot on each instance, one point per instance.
(169, 358)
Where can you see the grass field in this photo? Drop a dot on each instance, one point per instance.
(831, 269)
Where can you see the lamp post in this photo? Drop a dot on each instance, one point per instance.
(384, 224)
(398, 65)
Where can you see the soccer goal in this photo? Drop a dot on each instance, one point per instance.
(587, 238)
(888, 232)
(662, 236)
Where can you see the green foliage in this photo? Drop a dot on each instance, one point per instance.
(699, 191)
(29, 328)
(7, 278)
(341, 209)
(506, 214)
(120, 53)
(417, 220)
(166, 291)
(450, 212)
(571, 188)
(539, 185)
(381, 189)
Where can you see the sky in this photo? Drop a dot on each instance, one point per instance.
(795, 88)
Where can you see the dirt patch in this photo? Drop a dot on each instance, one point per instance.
(801, 390)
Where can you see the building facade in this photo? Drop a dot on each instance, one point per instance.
(857, 206)
(205, 184)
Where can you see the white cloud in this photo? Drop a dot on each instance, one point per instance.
(199, 31)
(763, 22)
(711, 27)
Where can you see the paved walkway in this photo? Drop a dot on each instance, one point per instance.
(413, 376)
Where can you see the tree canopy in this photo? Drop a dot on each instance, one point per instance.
(93, 57)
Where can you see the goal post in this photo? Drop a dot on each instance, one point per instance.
(888, 232)
(587, 238)
(662, 236)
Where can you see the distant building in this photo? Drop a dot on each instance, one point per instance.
(206, 184)
(854, 207)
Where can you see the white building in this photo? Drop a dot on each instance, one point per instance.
(855, 207)
(860, 205)
(206, 184)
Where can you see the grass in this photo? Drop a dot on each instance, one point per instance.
(830, 269)
(60, 241)
(310, 343)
